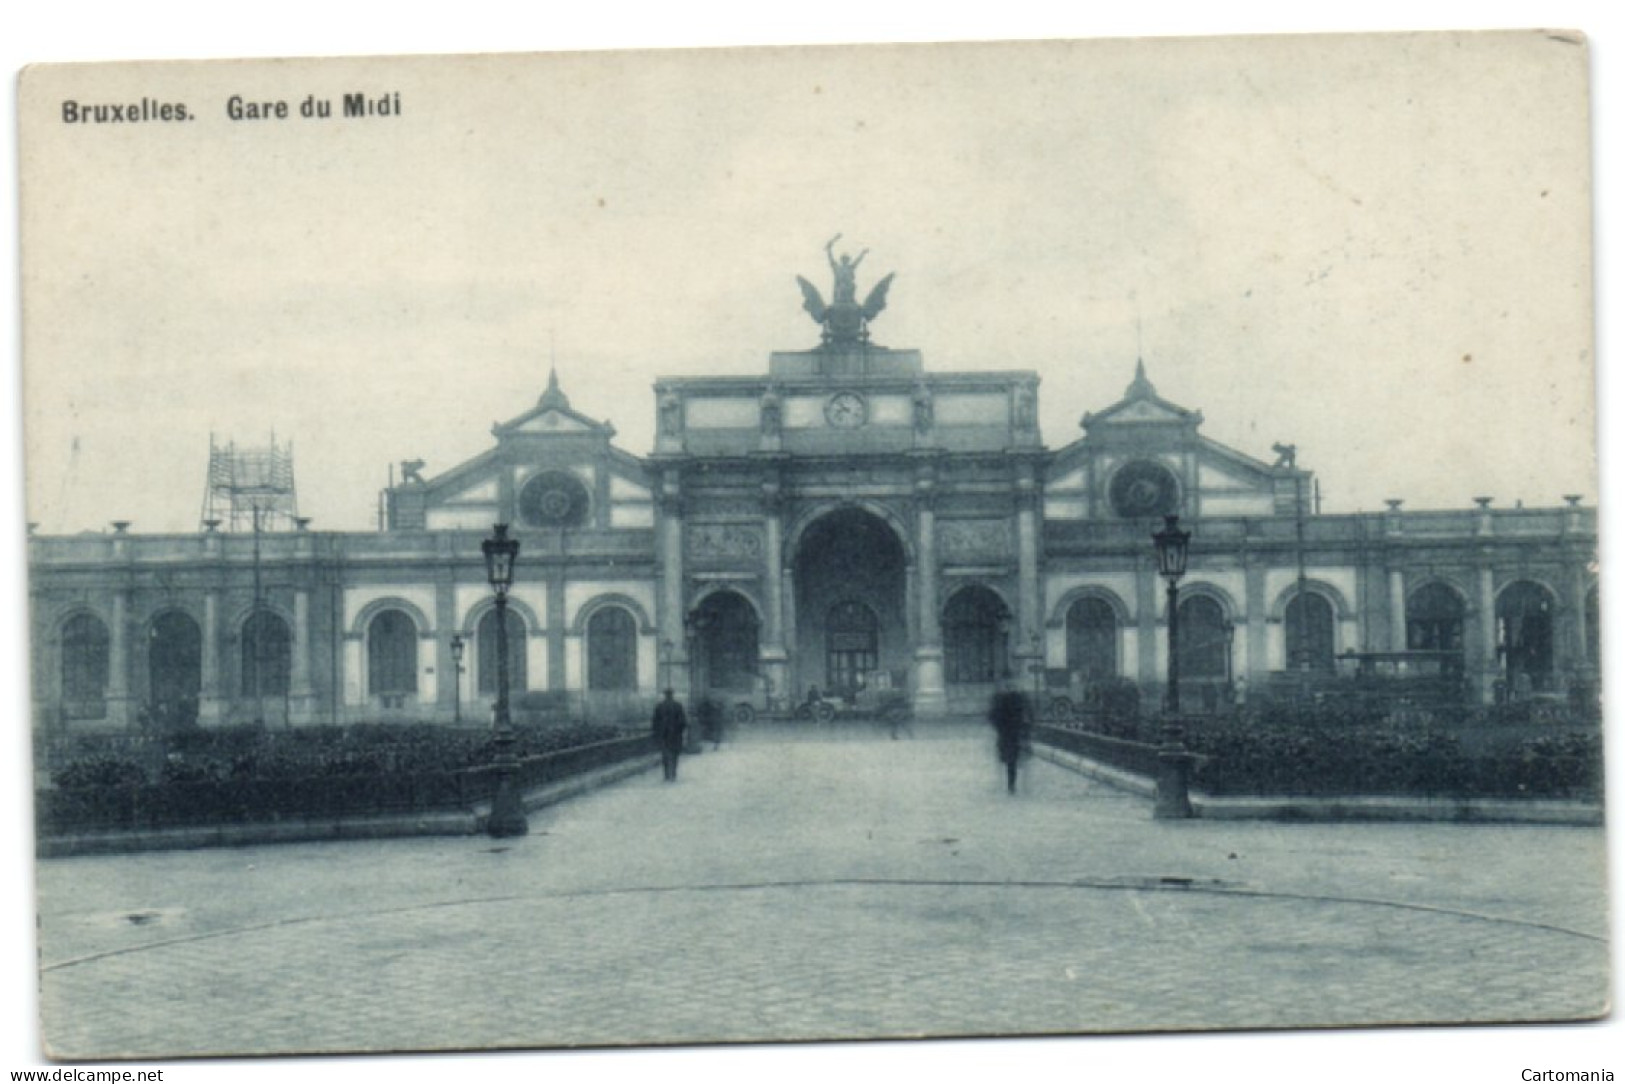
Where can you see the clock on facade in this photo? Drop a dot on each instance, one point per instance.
(846, 410)
(1143, 489)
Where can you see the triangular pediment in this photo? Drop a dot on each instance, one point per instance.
(1143, 410)
(552, 416)
(552, 421)
(1141, 405)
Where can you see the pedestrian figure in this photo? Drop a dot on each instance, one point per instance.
(669, 726)
(1009, 716)
(710, 719)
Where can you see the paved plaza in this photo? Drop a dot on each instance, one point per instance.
(814, 883)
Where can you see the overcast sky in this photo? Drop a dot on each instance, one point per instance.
(1376, 248)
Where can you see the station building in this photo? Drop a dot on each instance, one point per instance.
(846, 519)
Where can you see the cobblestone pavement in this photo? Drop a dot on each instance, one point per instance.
(814, 883)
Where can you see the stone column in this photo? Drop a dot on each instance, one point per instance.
(557, 629)
(930, 695)
(1397, 639)
(210, 709)
(787, 601)
(1257, 627)
(1147, 604)
(671, 573)
(1488, 661)
(301, 694)
(1579, 662)
(1027, 592)
(120, 705)
(774, 656)
(445, 620)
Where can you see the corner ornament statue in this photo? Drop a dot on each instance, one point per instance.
(845, 322)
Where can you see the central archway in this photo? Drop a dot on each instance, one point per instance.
(851, 628)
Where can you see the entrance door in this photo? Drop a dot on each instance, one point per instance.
(853, 638)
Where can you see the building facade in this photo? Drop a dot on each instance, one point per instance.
(848, 519)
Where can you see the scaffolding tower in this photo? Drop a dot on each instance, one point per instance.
(250, 488)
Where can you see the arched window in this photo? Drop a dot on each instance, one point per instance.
(486, 649)
(1204, 648)
(267, 651)
(612, 650)
(174, 669)
(1524, 636)
(852, 639)
(1311, 634)
(1434, 619)
(1091, 639)
(392, 654)
(974, 626)
(84, 667)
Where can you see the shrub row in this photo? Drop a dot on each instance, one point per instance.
(254, 753)
(230, 780)
(1365, 761)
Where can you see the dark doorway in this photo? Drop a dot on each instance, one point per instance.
(850, 572)
(1311, 634)
(85, 657)
(1091, 639)
(975, 628)
(1524, 637)
(612, 651)
(267, 658)
(487, 655)
(174, 670)
(727, 634)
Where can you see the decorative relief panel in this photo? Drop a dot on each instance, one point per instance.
(973, 539)
(713, 542)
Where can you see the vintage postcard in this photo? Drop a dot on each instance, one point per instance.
(764, 545)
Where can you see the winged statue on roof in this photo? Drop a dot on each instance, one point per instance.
(844, 320)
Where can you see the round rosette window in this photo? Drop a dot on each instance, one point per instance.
(553, 499)
(1143, 489)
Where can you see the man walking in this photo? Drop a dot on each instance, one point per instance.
(1009, 719)
(669, 726)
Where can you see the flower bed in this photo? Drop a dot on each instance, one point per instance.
(242, 775)
(1327, 749)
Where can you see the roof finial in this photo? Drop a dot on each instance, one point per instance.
(553, 398)
(1141, 388)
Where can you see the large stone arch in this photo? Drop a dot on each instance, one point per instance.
(812, 513)
(841, 552)
(709, 590)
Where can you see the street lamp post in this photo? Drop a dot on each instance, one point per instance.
(666, 648)
(1173, 550)
(1173, 759)
(507, 810)
(457, 647)
(1229, 629)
